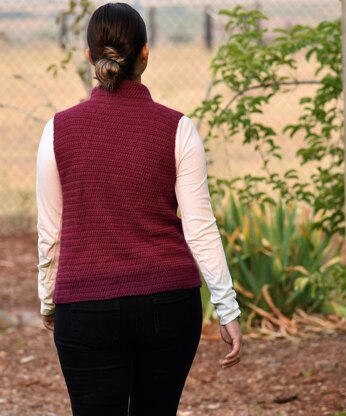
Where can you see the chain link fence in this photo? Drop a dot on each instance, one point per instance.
(39, 76)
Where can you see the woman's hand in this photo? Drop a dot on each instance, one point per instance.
(48, 321)
(232, 336)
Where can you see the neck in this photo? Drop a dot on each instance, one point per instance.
(137, 78)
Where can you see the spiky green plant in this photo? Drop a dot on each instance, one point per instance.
(279, 261)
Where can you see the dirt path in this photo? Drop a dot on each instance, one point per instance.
(276, 377)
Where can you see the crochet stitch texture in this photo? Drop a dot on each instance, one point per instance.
(120, 233)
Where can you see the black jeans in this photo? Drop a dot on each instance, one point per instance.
(128, 355)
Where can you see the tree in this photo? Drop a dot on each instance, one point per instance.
(247, 62)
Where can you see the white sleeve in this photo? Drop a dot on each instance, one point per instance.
(49, 209)
(199, 224)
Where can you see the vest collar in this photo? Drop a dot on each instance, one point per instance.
(127, 89)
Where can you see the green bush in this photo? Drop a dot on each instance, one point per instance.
(253, 70)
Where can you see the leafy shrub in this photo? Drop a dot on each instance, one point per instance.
(247, 64)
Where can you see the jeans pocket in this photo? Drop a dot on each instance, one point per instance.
(96, 323)
(175, 313)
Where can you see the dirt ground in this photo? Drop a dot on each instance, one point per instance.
(306, 376)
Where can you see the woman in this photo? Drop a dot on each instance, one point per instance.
(119, 280)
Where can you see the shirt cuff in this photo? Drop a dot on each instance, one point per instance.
(226, 318)
(47, 309)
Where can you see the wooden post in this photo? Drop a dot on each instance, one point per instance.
(152, 26)
(208, 22)
(258, 6)
(63, 31)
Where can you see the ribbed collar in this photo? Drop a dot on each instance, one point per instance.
(127, 89)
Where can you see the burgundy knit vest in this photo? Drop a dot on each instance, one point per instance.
(120, 232)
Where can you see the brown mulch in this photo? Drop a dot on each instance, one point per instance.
(298, 376)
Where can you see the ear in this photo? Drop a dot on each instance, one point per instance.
(87, 54)
(145, 51)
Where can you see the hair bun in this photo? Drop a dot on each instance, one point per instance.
(111, 53)
(108, 69)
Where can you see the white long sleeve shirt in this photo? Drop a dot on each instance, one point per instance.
(199, 224)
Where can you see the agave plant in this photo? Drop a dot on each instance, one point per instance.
(279, 261)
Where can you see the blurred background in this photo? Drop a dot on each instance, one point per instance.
(39, 76)
(288, 271)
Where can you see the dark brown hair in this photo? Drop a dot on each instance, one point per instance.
(116, 34)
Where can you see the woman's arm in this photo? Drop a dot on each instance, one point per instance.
(198, 221)
(49, 209)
